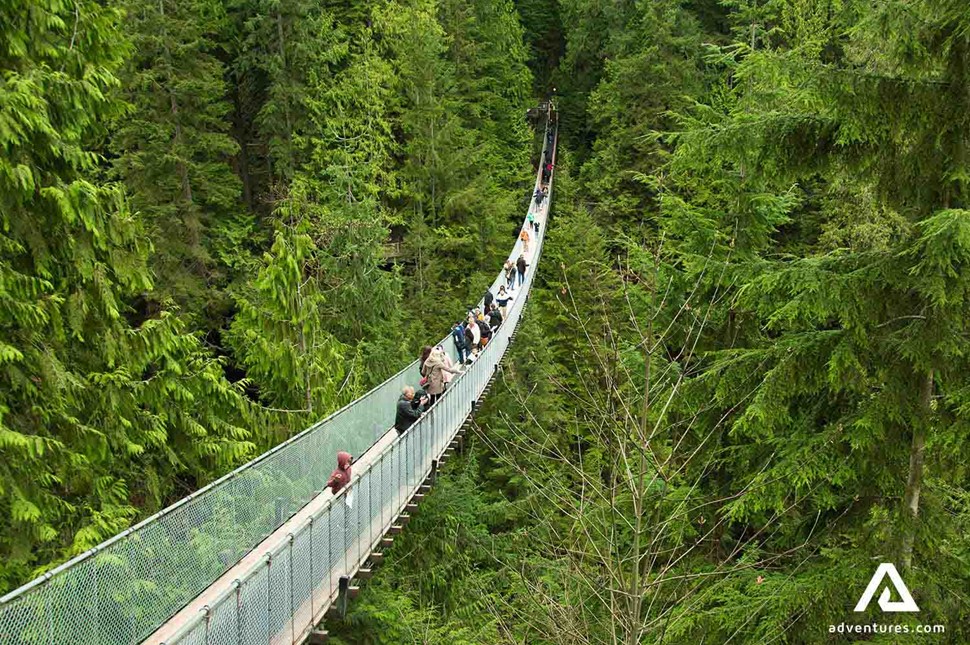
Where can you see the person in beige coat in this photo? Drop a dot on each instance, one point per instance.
(434, 369)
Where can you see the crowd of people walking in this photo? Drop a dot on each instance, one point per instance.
(470, 336)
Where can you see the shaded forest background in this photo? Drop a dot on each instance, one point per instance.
(743, 378)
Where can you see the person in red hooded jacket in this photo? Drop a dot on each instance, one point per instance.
(341, 476)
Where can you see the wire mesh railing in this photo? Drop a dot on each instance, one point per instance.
(124, 589)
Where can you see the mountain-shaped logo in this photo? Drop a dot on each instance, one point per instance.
(905, 604)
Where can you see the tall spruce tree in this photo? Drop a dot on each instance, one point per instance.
(843, 378)
(279, 333)
(322, 288)
(98, 418)
(286, 45)
(174, 149)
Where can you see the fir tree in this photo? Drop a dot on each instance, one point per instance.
(174, 149)
(88, 430)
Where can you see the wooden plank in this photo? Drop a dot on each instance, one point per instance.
(319, 637)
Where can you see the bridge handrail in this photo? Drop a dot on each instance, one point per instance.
(235, 616)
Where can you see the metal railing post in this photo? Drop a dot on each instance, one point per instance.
(269, 598)
(239, 632)
(292, 610)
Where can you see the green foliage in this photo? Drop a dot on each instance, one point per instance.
(173, 148)
(235, 275)
(94, 411)
(741, 381)
(744, 381)
(280, 333)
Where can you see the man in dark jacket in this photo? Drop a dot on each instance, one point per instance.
(409, 409)
(489, 299)
(458, 336)
(521, 265)
(485, 330)
(494, 317)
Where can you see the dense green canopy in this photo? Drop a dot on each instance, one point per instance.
(744, 381)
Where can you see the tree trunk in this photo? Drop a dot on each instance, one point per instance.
(290, 161)
(181, 167)
(914, 482)
(242, 138)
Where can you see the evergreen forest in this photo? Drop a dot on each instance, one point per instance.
(743, 380)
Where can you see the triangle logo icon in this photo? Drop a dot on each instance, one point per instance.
(906, 602)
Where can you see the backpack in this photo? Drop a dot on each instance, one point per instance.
(459, 336)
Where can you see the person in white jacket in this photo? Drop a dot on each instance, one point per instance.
(476, 334)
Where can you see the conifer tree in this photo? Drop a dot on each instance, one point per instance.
(89, 434)
(350, 147)
(280, 333)
(848, 380)
(660, 43)
(174, 149)
(286, 44)
(321, 288)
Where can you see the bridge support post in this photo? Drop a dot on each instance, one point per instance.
(343, 595)
(434, 470)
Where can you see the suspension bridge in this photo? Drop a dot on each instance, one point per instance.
(264, 553)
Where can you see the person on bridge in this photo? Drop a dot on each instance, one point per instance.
(461, 347)
(509, 275)
(495, 317)
(540, 195)
(488, 299)
(472, 329)
(433, 368)
(449, 364)
(504, 297)
(484, 329)
(521, 266)
(409, 409)
(524, 236)
(425, 353)
(341, 476)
